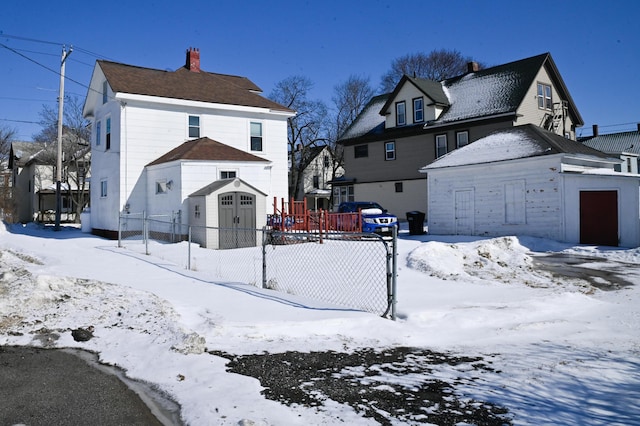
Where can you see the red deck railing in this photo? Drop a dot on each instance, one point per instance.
(295, 216)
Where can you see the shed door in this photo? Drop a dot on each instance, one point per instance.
(464, 212)
(599, 218)
(237, 219)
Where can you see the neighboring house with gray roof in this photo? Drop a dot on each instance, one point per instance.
(33, 175)
(625, 145)
(398, 133)
(141, 119)
(529, 181)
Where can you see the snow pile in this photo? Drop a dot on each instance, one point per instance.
(501, 259)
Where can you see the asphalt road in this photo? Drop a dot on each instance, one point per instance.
(56, 387)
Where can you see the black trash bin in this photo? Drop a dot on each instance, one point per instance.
(416, 222)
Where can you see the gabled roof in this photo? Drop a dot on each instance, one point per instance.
(369, 121)
(310, 154)
(184, 84)
(615, 143)
(219, 184)
(23, 153)
(511, 144)
(430, 88)
(491, 92)
(500, 89)
(205, 149)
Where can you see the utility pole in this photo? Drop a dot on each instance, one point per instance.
(65, 55)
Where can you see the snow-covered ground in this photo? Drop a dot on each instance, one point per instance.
(564, 352)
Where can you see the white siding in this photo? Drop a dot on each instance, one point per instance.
(628, 204)
(145, 128)
(540, 179)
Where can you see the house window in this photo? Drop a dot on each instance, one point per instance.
(441, 145)
(418, 110)
(342, 194)
(399, 187)
(228, 174)
(161, 187)
(514, 212)
(103, 188)
(316, 182)
(545, 100)
(390, 151)
(360, 151)
(401, 114)
(98, 133)
(194, 126)
(462, 139)
(196, 210)
(629, 168)
(256, 136)
(105, 92)
(327, 162)
(108, 134)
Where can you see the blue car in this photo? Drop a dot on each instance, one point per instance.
(375, 219)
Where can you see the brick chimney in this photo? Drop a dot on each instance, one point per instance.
(473, 67)
(193, 59)
(595, 130)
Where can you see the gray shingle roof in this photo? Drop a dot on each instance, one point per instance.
(615, 143)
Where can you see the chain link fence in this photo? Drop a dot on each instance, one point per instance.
(349, 270)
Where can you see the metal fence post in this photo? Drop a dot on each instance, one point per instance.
(264, 257)
(145, 232)
(189, 248)
(394, 273)
(120, 230)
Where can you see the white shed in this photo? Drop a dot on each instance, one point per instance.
(227, 213)
(527, 181)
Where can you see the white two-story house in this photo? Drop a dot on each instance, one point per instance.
(142, 117)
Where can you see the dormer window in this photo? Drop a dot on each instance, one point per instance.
(401, 113)
(545, 101)
(418, 110)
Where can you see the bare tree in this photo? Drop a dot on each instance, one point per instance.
(349, 98)
(75, 148)
(6, 191)
(307, 129)
(436, 65)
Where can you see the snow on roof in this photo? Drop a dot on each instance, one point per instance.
(476, 95)
(499, 146)
(514, 143)
(368, 120)
(615, 142)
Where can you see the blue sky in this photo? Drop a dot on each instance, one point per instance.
(596, 45)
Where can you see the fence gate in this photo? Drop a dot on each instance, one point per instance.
(349, 270)
(237, 219)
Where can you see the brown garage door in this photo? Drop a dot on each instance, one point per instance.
(599, 218)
